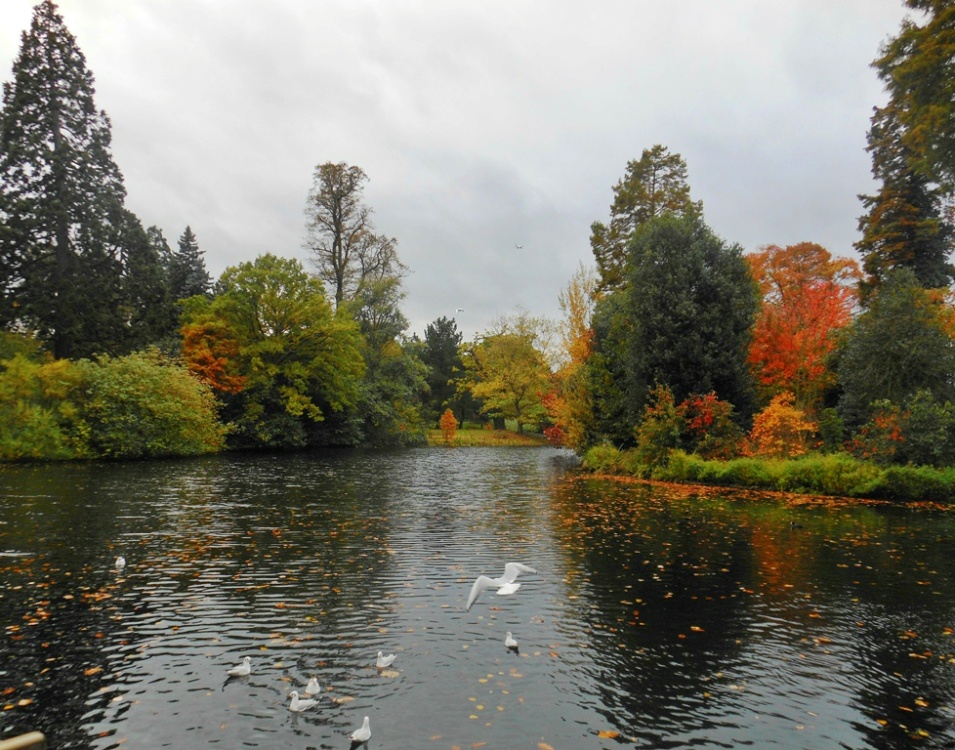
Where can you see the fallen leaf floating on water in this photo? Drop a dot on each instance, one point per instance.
(608, 733)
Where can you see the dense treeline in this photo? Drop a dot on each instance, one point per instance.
(680, 356)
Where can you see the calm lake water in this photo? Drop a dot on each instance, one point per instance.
(658, 618)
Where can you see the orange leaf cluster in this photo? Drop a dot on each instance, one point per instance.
(807, 297)
(211, 355)
(780, 430)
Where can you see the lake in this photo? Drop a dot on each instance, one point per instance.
(659, 617)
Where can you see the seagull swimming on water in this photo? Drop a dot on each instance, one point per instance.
(244, 669)
(300, 704)
(313, 688)
(384, 661)
(120, 562)
(509, 641)
(363, 733)
(505, 584)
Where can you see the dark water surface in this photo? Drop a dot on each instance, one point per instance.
(658, 618)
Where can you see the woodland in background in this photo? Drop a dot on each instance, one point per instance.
(677, 349)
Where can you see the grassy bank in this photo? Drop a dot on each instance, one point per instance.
(470, 438)
(835, 475)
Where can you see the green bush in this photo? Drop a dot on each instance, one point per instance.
(37, 411)
(145, 406)
(914, 483)
(603, 458)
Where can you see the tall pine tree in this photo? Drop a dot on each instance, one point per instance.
(61, 198)
(187, 270)
(904, 225)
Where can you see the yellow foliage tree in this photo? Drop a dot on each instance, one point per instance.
(780, 430)
(449, 426)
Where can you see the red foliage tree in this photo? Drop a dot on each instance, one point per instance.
(807, 297)
(211, 354)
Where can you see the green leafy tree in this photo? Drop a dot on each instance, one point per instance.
(607, 377)
(569, 404)
(61, 198)
(652, 186)
(394, 381)
(903, 226)
(148, 309)
(300, 366)
(916, 68)
(341, 236)
(690, 307)
(508, 371)
(898, 346)
(442, 341)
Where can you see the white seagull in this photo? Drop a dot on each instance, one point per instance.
(363, 733)
(300, 704)
(120, 562)
(313, 688)
(509, 641)
(384, 661)
(505, 584)
(244, 669)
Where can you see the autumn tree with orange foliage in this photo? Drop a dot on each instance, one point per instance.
(211, 354)
(568, 403)
(807, 297)
(781, 430)
(449, 426)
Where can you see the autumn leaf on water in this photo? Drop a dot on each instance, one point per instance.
(608, 733)
(544, 746)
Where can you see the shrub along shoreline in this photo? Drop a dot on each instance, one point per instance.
(832, 475)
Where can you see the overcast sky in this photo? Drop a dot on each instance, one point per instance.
(481, 125)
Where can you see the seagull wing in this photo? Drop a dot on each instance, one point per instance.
(482, 582)
(513, 569)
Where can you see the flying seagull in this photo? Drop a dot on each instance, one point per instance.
(519, 247)
(505, 584)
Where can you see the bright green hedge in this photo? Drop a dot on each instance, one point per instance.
(836, 475)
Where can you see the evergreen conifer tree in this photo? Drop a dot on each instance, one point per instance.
(904, 225)
(61, 198)
(187, 273)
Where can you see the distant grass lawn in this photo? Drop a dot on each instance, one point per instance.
(470, 438)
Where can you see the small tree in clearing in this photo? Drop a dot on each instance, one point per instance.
(780, 430)
(449, 426)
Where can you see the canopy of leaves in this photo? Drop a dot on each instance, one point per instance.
(298, 363)
(653, 186)
(509, 373)
(903, 226)
(440, 354)
(897, 347)
(808, 296)
(916, 67)
(61, 198)
(690, 306)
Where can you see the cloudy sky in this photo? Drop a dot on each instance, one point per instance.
(481, 125)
